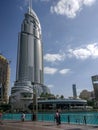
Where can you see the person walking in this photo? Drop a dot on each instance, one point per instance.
(23, 117)
(1, 118)
(58, 117)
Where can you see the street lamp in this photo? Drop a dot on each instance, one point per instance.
(35, 104)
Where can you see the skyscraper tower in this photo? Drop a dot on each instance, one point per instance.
(74, 91)
(29, 70)
(95, 86)
(29, 60)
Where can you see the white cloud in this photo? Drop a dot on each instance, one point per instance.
(64, 71)
(21, 8)
(44, 0)
(54, 57)
(89, 2)
(79, 53)
(48, 70)
(70, 8)
(24, 5)
(51, 71)
(50, 86)
(87, 51)
(91, 50)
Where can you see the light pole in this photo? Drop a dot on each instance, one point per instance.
(35, 104)
(0, 93)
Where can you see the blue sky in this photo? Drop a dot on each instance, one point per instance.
(70, 40)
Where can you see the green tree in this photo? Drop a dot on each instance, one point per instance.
(62, 97)
(47, 95)
(5, 107)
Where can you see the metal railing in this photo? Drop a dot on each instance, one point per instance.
(65, 118)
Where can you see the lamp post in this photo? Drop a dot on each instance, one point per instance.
(0, 93)
(35, 104)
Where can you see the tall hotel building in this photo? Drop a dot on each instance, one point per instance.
(29, 70)
(74, 91)
(4, 79)
(95, 85)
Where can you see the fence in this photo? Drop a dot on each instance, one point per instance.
(65, 118)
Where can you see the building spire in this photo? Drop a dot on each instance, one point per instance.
(30, 5)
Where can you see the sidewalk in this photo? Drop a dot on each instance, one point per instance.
(18, 125)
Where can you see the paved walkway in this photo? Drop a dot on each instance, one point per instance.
(17, 125)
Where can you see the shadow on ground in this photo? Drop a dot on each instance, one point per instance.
(94, 127)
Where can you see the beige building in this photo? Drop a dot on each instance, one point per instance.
(4, 79)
